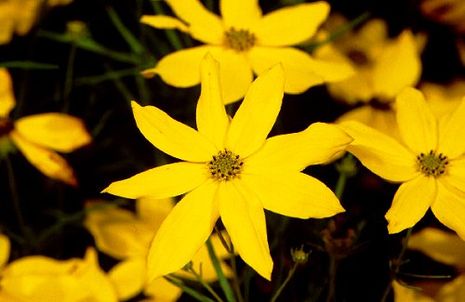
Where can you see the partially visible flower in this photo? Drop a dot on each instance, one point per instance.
(126, 236)
(450, 12)
(229, 169)
(443, 99)
(18, 16)
(246, 43)
(428, 161)
(36, 134)
(43, 279)
(446, 248)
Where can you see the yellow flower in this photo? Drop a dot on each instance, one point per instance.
(230, 169)
(42, 279)
(443, 247)
(450, 12)
(127, 237)
(35, 135)
(428, 161)
(245, 42)
(443, 99)
(18, 16)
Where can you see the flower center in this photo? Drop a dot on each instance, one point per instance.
(358, 57)
(239, 39)
(432, 164)
(6, 126)
(225, 166)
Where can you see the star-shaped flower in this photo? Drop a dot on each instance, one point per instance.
(245, 42)
(428, 161)
(230, 170)
(35, 135)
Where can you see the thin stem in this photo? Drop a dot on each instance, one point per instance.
(219, 272)
(69, 76)
(340, 185)
(170, 34)
(199, 278)
(190, 291)
(332, 278)
(397, 263)
(236, 285)
(286, 281)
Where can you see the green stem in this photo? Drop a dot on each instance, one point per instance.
(236, 284)
(127, 35)
(190, 291)
(170, 34)
(69, 76)
(205, 284)
(219, 272)
(397, 263)
(286, 281)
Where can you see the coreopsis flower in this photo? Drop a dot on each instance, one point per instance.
(428, 161)
(43, 279)
(38, 136)
(246, 43)
(18, 16)
(230, 170)
(445, 248)
(126, 236)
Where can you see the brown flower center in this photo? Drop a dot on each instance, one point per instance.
(6, 126)
(432, 164)
(239, 39)
(225, 166)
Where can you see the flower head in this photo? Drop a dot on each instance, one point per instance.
(246, 42)
(230, 170)
(38, 136)
(428, 161)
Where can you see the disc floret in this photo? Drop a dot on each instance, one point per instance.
(239, 39)
(432, 164)
(225, 166)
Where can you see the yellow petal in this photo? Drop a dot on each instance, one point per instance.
(7, 23)
(161, 290)
(257, 113)
(4, 250)
(153, 211)
(240, 14)
(48, 162)
(118, 232)
(212, 120)
(203, 25)
(164, 22)
(298, 66)
(398, 66)
(171, 136)
(293, 194)
(450, 130)
(128, 277)
(183, 232)
(293, 152)
(235, 73)
(453, 291)
(417, 124)
(455, 174)
(291, 25)
(57, 131)
(408, 294)
(244, 219)
(442, 246)
(380, 153)
(160, 182)
(189, 75)
(7, 98)
(410, 203)
(449, 208)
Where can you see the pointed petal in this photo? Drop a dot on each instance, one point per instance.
(455, 174)
(293, 194)
(183, 232)
(397, 67)
(203, 25)
(171, 136)
(164, 22)
(410, 203)
(161, 290)
(7, 98)
(240, 14)
(212, 120)
(450, 129)
(293, 152)
(444, 247)
(57, 131)
(417, 124)
(48, 162)
(380, 153)
(244, 219)
(297, 65)
(449, 208)
(4, 250)
(291, 25)
(128, 277)
(189, 75)
(257, 113)
(235, 73)
(160, 182)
